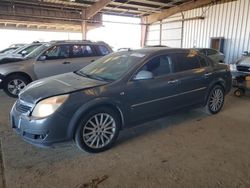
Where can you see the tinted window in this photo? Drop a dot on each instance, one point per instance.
(211, 52)
(204, 51)
(159, 65)
(203, 62)
(103, 50)
(80, 50)
(57, 52)
(186, 61)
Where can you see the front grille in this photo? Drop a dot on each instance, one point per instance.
(243, 68)
(22, 108)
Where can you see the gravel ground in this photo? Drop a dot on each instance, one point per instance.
(188, 149)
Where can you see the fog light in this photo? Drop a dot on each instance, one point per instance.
(1, 80)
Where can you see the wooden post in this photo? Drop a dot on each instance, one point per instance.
(144, 30)
(160, 42)
(84, 25)
(84, 30)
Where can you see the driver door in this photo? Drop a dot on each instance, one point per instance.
(54, 61)
(153, 97)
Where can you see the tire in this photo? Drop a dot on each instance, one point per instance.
(14, 84)
(95, 135)
(239, 92)
(215, 100)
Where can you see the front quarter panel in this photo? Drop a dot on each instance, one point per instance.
(81, 102)
(25, 66)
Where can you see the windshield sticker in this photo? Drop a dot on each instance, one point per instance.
(137, 55)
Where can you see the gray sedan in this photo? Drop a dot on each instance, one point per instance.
(92, 105)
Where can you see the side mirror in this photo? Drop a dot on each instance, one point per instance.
(245, 53)
(143, 75)
(42, 58)
(24, 53)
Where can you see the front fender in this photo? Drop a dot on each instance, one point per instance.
(26, 68)
(104, 101)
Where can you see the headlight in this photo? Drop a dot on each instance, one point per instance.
(233, 67)
(48, 106)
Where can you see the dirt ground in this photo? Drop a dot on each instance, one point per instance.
(189, 149)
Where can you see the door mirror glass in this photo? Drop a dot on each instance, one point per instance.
(42, 58)
(24, 53)
(144, 75)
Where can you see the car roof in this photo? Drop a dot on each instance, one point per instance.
(204, 49)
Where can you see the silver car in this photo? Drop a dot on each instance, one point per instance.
(50, 59)
(20, 52)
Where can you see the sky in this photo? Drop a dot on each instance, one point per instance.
(116, 35)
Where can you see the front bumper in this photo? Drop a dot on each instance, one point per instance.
(45, 132)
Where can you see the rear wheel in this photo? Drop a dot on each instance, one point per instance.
(14, 84)
(98, 130)
(215, 100)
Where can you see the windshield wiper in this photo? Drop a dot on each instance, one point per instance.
(92, 76)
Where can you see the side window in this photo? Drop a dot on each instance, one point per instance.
(211, 52)
(103, 50)
(186, 61)
(57, 52)
(204, 51)
(81, 50)
(203, 62)
(159, 65)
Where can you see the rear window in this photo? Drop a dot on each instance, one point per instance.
(103, 50)
(80, 50)
(186, 61)
(203, 62)
(211, 52)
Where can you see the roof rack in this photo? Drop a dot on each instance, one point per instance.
(123, 49)
(58, 41)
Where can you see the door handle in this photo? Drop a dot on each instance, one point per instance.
(66, 62)
(173, 81)
(92, 60)
(208, 74)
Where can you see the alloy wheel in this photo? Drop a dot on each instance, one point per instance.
(99, 130)
(15, 86)
(216, 100)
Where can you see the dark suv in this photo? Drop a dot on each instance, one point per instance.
(92, 105)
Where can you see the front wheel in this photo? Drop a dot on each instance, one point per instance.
(215, 100)
(98, 130)
(14, 84)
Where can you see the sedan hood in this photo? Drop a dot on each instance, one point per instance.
(10, 60)
(245, 61)
(57, 85)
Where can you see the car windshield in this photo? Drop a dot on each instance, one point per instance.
(113, 66)
(38, 50)
(19, 49)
